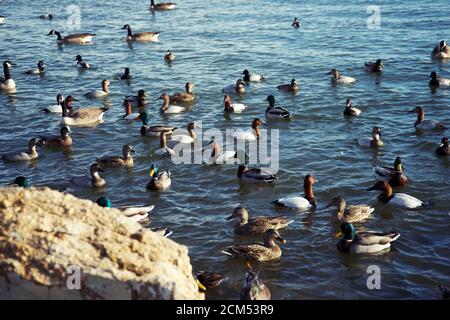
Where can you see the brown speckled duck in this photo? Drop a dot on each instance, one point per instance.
(63, 140)
(188, 96)
(117, 161)
(350, 214)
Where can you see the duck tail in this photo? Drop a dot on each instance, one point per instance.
(271, 179)
(394, 235)
(277, 202)
(46, 110)
(227, 252)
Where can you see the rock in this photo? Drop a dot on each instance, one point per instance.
(47, 238)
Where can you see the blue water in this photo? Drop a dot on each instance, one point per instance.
(214, 41)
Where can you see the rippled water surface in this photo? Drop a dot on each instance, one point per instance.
(214, 41)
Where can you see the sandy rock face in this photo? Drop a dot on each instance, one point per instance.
(48, 238)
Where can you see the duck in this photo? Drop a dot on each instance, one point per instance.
(39, 70)
(441, 51)
(350, 110)
(141, 36)
(164, 232)
(338, 79)
(257, 225)
(159, 180)
(57, 107)
(164, 150)
(352, 213)
(254, 289)
(213, 154)
(81, 63)
(99, 93)
(233, 107)
(129, 116)
(133, 213)
(167, 108)
(290, 87)
(141, 98)
(126, 75)
(169, 56)
(394, 175)
(237, 88)
(297, 202)
(2, 19)
(374, 67)
(7, 83)
(445, 291)
(438, 81)
(79, 38)
(63, 140)
(273, 112)
(30, 154)
(373, 142)
(252, 77)
(46, 16)
(296, 23)
(444, 148)
(396, 199)
(425, 124)
(250, 135)
(266, 251)
(209, 280)
(94, 181)
(187, 137)
(80, 116)
(364, 242)
(162, 6)
(255, 175)
(126, 160)
(153, 131)
(188, 96)
(21, 181)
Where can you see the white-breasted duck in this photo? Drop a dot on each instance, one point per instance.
(337, 78)
(423, 124)
(374, 67)
(63, 140)
(167, 108)
(213, 154)
(30, 154)
(141, 36)
(252, 77)
(250, 135)
(296, 23)
(133, 213)
(57, 107)
(349, 214)
(7, 83)
(162, 6)
(153, 131)
(185, 136)
(297, 202)
(188, 96)
(441, 51)
(129, 115)
(273, 112)
(438, 81)
(350, 110)
(39, 70)
(444, 148)
(80, 116)
(290, 87)
(93, 181)
(394, 175)
(169, 56)
(373, 142)
(99, 93)
(163, 149)
(159, 180)
(126, 160)
(232, 107)
(396, 199)
(81, 63)
(237, 88)
(78, 38)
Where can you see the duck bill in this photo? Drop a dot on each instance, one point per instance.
(151, 173)
(230, 217)
(132, 151)
(200, 285)
(281, 240)
(338, 234)
(411, 111)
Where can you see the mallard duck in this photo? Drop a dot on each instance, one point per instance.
(291, 87)
(169, 56)
(373, 142)
(139, 100)
(79, 38)
(256, 225)
(374, 67)
(237, 88)
(188, 96)
(255, 175)
(126, 75)
(80, 116)
(167, 108)
(306, 202)
(153, 131)
(425, 124)
(7, 83)
(253, 288)
(63, 140)
(39, 70)
(57, 107)
(46, 16)
(162, 6)
(441, 51)
(249, 135)
(266, 251)
(213, 154)
(396, 199)
(81, 63)
(437, 81)
(99, 93)
(350, 214)
(445, 291)
(364, 242)
(296, 23)
(132, 213)
(444, 148)
(24, 156)
(188, 137)
(252, 77)
(159, 180)
(117, 161)
(209, 280)
(394, 175)
(21, 181)
(273, 112)
(350, 110)
(164, 150)
(338, 79)
(233, 107)
(94, 181)
(141, 36)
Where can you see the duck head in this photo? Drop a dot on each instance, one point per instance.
(127, 26)
(398, 164)
(442, 45)
(78, 58)
(127, 150)
(8, 64)
(376, 132)
(253, 288)
(256, 123)
(444, 142)
(379, 65)
(348, 103)
(154, 169)
(348, 230)
(240, 84)
(272, 235)
(334, 73)
(271, 100)
(104, 202)
(240, 213)
(337, 202)
(59, 98)
(189, 87)
(293, 83)
(142, 94)
(65, 131)
(41, 65)
(21, 181)
(95, 169)
(433, 75)
(164, 97)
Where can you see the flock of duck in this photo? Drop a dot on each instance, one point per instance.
(266, 226)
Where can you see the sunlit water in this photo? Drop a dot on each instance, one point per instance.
(214, 41)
